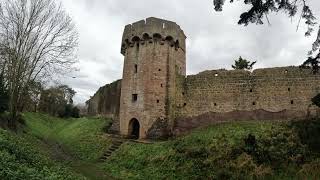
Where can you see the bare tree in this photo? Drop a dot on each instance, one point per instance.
(37, 40)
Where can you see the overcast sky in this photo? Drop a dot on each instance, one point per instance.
(214, 39)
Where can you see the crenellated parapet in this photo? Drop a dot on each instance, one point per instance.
(153, 30)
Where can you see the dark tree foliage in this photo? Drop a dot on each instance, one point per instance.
(316, 100)
(250, 143)
(4, 97)
(57, 101)
(31, 97)
(309, 132)
(75, 112)
(66, 112)
(69, 111)
(313, 63)
(243, 64)
(259, 9)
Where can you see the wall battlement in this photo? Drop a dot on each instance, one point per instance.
(270, 89)
(152, 29)
(268, 72)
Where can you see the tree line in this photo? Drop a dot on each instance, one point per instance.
(37, 42)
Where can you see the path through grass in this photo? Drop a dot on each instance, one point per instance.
(76, 142)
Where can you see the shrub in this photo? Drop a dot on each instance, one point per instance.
(69, 111)
(277, 149)
(75, 112)
(310, 170)
(309, 133)
(4, 117)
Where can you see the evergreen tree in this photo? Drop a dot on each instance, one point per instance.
(313, 63)
(243, 64)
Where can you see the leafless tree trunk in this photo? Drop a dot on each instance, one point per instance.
(37, 40)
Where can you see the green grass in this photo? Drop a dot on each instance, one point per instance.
(77, 143)
(82, 137)
(20, 159)
(221, 151)
(215, 152)
(234, 132)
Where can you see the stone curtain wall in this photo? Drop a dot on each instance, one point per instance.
(106, 101)
(265, 94)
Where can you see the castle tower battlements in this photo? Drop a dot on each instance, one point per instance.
(151, 29)
(154, 54)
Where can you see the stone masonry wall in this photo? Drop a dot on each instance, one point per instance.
(105, 101)
(265, 94)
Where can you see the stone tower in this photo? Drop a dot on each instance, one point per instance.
(154, 56)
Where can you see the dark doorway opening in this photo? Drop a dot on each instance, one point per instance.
(134, 129)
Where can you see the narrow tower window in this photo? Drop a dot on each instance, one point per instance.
(291, 102)
(134, 97)
(135, 68)
(289, 89)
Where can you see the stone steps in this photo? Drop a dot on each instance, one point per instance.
(116, 143)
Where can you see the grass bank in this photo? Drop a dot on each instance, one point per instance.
(54, 148)
(239, 150)
(21, 159)
(83, 138)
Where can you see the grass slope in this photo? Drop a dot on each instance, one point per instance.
(219, 152)
(238, 150)
(54, 148)
(20, 159)
(83, 137)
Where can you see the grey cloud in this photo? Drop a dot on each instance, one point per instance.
(214, 38)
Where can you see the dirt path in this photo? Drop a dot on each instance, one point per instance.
(90, 170)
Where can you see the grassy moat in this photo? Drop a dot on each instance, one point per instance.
(53, 148)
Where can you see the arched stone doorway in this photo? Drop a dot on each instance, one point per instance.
(134, 129)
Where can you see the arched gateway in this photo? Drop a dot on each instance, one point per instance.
(134, 128)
